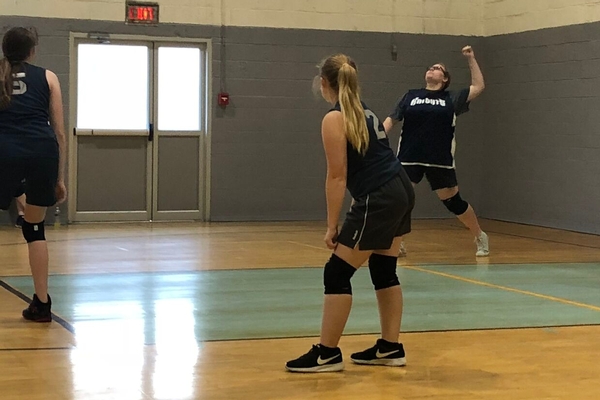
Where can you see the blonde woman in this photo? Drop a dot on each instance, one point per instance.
(359, 159)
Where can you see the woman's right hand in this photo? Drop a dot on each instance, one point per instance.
(61, 192)
(331, 238)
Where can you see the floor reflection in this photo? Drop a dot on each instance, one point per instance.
(135, 349)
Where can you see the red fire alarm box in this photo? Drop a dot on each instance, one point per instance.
(223, 99)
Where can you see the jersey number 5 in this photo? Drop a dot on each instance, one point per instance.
(19, 87)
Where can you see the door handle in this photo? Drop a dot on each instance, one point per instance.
(151, 133)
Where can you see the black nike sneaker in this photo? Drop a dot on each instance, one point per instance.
(318, 359)
(383, 353)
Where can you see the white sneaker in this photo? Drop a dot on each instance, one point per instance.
(402, 252)
(483, 245)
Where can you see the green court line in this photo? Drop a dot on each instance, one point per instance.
(281, 303)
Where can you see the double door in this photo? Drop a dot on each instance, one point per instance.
(140, 143)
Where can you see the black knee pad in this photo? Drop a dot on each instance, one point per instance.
(34, 232)
(456, 204)
(337, 275)
(383, 271)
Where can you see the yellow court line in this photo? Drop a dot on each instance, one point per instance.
(481, 283)
(506, 288)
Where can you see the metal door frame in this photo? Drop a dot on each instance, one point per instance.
(205, 136)
(201, 135)
(82, 216)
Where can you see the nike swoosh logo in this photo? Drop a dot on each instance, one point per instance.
(382, 355)
(320, 361)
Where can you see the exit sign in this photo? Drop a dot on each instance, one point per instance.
(141, 13)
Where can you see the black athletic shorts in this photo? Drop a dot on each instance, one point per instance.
(377, 218)
(438, 178)
(20, 189)
(40, 175)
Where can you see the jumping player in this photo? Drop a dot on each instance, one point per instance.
(427, 143)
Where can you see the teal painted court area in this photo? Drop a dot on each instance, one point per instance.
(274, 303)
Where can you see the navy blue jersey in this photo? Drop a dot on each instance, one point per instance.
(25, 129)
(378, 165)
(429, 122)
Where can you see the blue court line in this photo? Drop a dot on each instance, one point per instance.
(61, 321)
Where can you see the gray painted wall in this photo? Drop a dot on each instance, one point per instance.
(267, 157)
(268, 161)
(542, 141)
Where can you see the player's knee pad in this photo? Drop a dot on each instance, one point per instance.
(34, 232)
(337, 275)
(383, 271)
(456, 204)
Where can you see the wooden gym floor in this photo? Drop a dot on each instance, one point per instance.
(213, 311)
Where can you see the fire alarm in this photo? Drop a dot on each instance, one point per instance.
(223, 99)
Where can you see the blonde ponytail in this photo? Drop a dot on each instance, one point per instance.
(353, 114)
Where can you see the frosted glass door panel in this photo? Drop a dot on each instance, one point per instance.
(113, 87)
(179, 89)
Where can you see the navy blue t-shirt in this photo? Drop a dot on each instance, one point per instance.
(25, 129)
(429, 122)
(379, 164)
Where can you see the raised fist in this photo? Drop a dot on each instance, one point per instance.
(468, 52)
